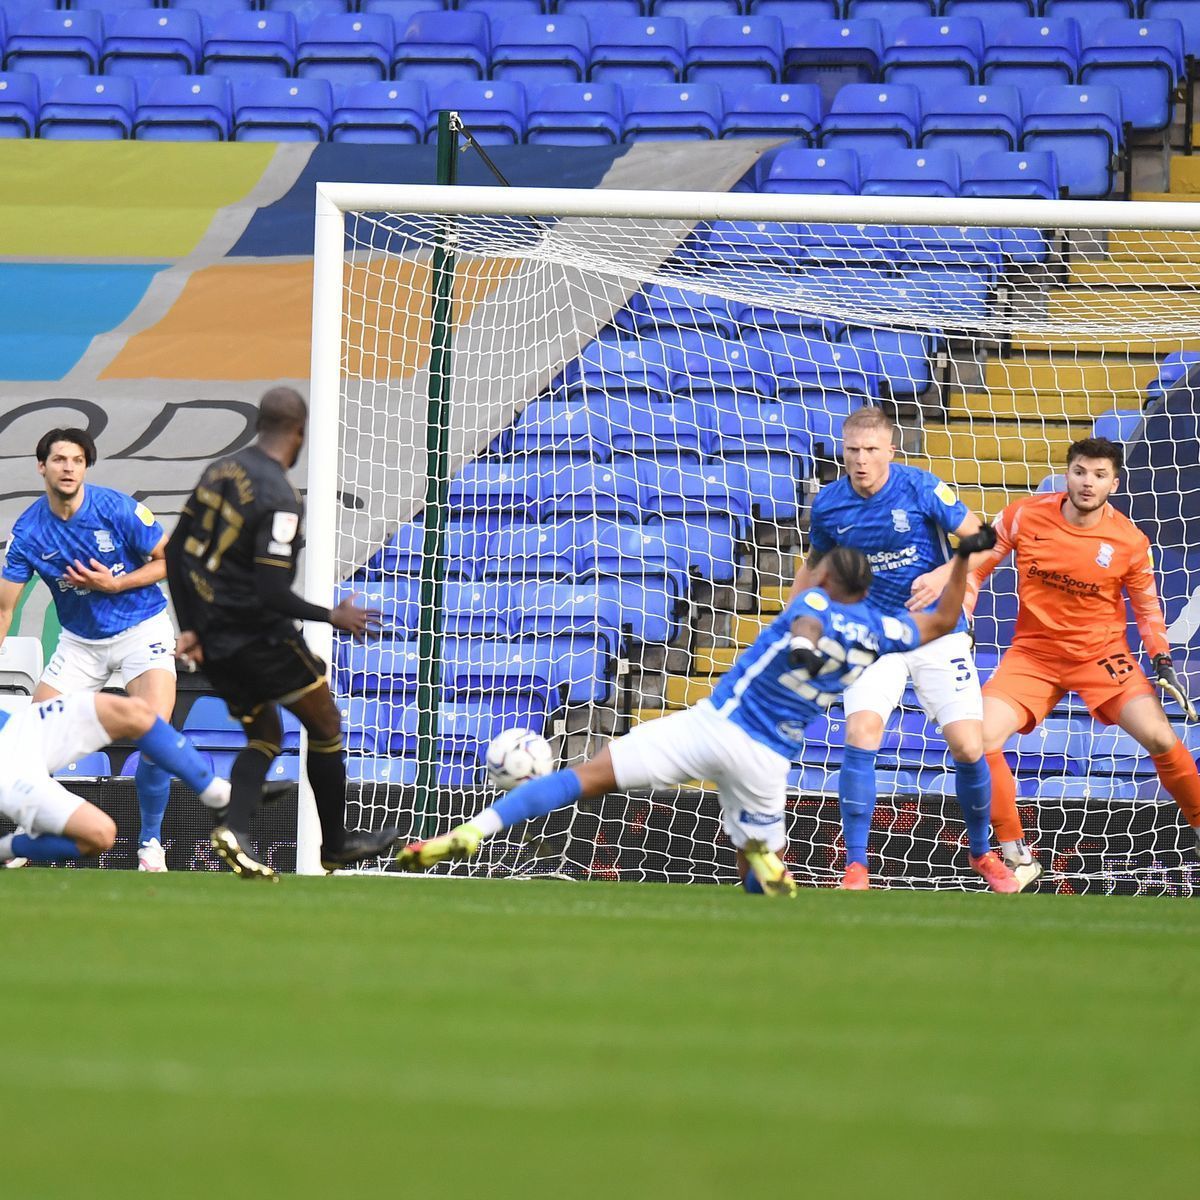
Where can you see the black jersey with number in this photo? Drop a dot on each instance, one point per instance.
(244, 512)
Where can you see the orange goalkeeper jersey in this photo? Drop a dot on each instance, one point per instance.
(1070, 581)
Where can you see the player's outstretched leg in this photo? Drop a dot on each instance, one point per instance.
(856, 801)
(772, 877)
(534, 798)
(994, 873)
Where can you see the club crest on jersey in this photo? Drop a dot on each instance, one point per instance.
(104, 541)
(900, 521)
(1105, 555)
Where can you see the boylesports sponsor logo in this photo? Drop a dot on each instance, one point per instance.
(1064, 582)
(891, 560)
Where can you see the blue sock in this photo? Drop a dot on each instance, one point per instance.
(537, 797)
(45, 847)
(153, 790)
(973, 784)
(856, 798)
(751, 884)
(174, 753)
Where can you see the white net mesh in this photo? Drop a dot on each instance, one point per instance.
(640, 412)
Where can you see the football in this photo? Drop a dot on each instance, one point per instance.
(516, 755)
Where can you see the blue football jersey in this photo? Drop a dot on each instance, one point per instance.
(110, 527)
(772, 701)
(901, 529)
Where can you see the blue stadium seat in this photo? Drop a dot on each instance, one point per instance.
(53, 44)
(785, 320)
(962, 247)
(812, 364)
(18, 105)
(993, 15)
(708, 543)
(564, 428)
(360, 722)
(794, 13)
(715, 371)
(108, 8)
(210, 10)
(1144, 60)
(736, 52)
(694, 12)
(87, 108)
(670, 432)
(90, 766)
(1031, 175)
(971, 120)
(492, 109)
(1186, 12)
(606, 10)
(674, 112)
(145, 44)
(905, 358)
(830, 172)
(913, 173)
(666, 311)
(567, 609)
(868, 117)
(932, 51)
(540, 51)
(638, 50)
(251, 45)
(478, 608)
(1033, 53)
(210, 727)
(497, 11)
(185, 108)
(890, 14)
(490, 487)
(1053, 483)
(347, 48)
(633, 371)
(577, 114)
(401, 553)
(764, 243)
(1118, 424)
(282, 110)
(791, 110)
(1080, 788)
(1082, 127)
(573, 668)
(1047, 750)
(307, 11)
(543, 550)
(285, 768)
(832, 54)
(395, 598)
(1089, 13)
(380, 769)
(395, 112)
(401, 11)
(1172, 369)
(714, 495)
(613, 548)
(378, 667)
(582, 489)
(442, 48)
(912, 741)
(464, 543)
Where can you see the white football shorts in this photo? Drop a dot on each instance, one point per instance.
(80, 665)
(699, 744)
(943, 675)
(36, 742)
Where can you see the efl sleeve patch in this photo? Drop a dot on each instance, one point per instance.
(945, 493)
(144, 515)
(816, 601)
(284, 527)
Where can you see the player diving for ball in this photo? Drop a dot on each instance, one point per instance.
(900, 518)
(748, 733)
(101, 554)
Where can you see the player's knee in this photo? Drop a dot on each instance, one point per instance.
(1160, 739)
(98, 833)
(139, 715)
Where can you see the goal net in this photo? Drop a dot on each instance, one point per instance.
(567, 442)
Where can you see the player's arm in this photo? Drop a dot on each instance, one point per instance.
(928, 587)
(18, 571)
(187, 644)
(10, 595)
(1152, 626)
(97, 577)
(942, 620)
(820, 542)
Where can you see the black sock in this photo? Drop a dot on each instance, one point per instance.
(246, 782)
(327, 775)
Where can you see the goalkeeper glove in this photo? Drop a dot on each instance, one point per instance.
(804, 656)
(983, 539)
(1168, 679)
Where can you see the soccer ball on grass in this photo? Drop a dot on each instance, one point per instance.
(516, 755)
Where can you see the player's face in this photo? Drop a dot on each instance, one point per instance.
(1090, 482)
(867, 454)
(298, 445)
(64, 469)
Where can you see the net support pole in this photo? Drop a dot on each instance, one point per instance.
(322, 483)
(437, 482)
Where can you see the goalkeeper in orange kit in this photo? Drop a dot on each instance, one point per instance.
(1077, 558)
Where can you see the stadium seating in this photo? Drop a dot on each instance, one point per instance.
(763, 109)
(873, 116)
(891, 14)
(282, 110)
(539, 51)
(1089, 13)
(1033, 53)
(394, 112)
(637, 50)
(90, 766)
(674, 112)
(970, 120)
(443, 47)
(1183, 11)
(1143, 59)
(194, 108)
(735, 51)
(993, 15)
(148, 43)
(583, 114)
(51, 45)
(1031, 175)
(827, 172)
(346, 49)
(494, 111)
(933, 51)
(831, 54)
(913, 173)
(87, 108)
(1082, 126)
(19, 104)
(251, 45)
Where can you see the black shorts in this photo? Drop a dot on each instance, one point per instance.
(271, 671)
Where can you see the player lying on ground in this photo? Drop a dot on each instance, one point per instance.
(55, 824)
(101, 555)
(747, 734)
(899, 517)
(1077, 558)
(231, 563)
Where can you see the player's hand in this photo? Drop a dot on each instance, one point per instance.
(927, 588)
(188, 651)
(352, 618)
(96, 578)
(1168, 679)
(984, 538)
(804, 656)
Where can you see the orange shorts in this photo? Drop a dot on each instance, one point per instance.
(1033, 685)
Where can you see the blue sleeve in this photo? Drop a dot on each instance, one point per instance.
(941, 503)
(810, 603)
(140, 531)
(897, 634)
(18, 566)
(819, 536)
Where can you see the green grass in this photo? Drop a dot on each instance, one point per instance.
(198, 1036)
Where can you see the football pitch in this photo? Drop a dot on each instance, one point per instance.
(193, 1035)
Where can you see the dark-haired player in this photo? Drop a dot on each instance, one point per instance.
(231, 564)
(101, 554)
(747, 734)
(1077, 558)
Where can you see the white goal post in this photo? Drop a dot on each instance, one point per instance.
(596, 335)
